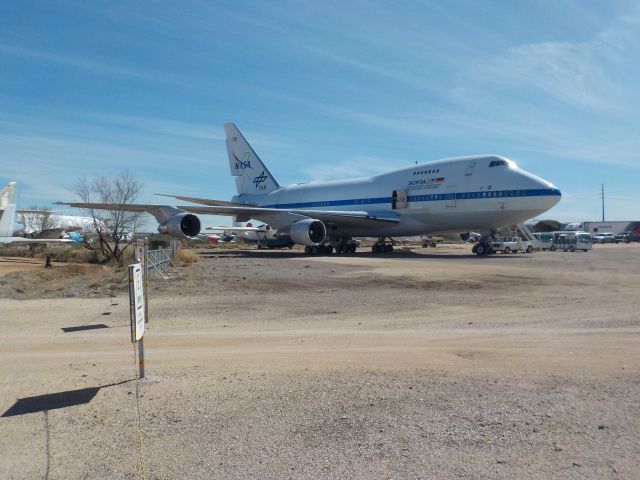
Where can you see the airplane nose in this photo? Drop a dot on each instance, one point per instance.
(548, 195)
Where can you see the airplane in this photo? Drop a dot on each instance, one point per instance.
(452, 195)
(8, 212)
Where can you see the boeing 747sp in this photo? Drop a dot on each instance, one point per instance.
(452, 195)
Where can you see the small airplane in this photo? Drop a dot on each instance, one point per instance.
(8, 212)
(452, 195)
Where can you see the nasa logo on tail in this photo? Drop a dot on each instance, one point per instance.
(242, 164)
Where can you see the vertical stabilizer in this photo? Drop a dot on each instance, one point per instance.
(7, 218)
(6, 195)
(251, 175)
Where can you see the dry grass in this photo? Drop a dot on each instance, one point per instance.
(66, 280)
(187, 257)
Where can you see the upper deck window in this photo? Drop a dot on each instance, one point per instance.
(495, 163)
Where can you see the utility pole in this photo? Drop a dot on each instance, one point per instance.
(602, 197)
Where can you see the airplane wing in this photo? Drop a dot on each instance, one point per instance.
(350, 218)
(338, 217)
(7, 240)
(163, 212)
(206, 201)
(26, 210)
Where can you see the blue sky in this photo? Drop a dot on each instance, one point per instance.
(321, 90)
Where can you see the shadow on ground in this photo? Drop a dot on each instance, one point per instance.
(51, 401)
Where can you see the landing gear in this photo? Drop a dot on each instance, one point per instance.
(482, 249)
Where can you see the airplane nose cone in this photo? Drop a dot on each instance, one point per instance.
(546, 194)
(549, 194)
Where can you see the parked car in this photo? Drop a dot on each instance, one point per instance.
(606, 237)
(623, 237)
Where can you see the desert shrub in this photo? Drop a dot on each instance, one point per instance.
(186, 257)
(14, 251)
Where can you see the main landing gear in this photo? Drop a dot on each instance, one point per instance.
(381, 246)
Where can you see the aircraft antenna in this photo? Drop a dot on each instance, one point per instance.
(602, 197)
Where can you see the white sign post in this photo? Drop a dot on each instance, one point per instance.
(137, 310)
(141, 257)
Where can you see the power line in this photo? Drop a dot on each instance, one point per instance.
(602, 197)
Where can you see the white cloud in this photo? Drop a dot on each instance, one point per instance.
(592, 74)
(359, 166)
(93, 66)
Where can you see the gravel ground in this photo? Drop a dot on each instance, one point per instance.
(422, 364)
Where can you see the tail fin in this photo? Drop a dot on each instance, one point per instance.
(6, 195)
(252, 177)
(7, 218)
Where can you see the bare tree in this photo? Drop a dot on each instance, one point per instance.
(113, 227)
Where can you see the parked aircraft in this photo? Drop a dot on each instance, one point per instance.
(476, 193)
(8, 212)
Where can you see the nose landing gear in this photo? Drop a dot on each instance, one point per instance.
(482, 248)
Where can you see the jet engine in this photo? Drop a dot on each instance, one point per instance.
(182, 225)
(308, 232)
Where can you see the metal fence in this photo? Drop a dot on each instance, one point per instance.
(159, 261)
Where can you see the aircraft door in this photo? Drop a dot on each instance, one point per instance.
(450, 197)
(399, 199)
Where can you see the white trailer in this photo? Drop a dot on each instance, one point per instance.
(594, 228)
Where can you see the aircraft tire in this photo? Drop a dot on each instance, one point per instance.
(328, 249)
(307, 250)
(314, 250)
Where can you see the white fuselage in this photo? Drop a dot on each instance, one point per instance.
(450, 195)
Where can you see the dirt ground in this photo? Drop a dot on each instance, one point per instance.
(424, 363)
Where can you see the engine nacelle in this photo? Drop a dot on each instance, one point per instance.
(308, 232)
(182, 225)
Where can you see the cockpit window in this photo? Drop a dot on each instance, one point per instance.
(496, 163)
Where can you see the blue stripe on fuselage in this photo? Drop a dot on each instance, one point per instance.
(435, 197)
